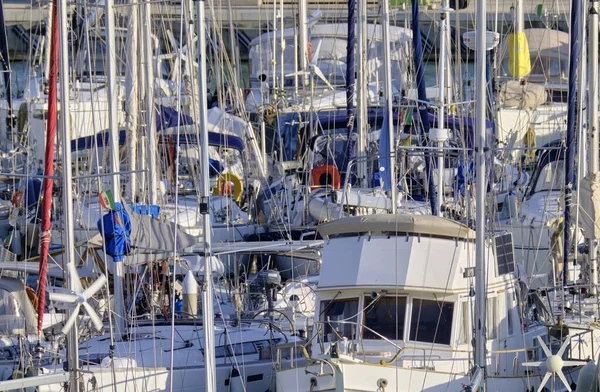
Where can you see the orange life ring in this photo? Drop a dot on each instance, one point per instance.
(325, 175)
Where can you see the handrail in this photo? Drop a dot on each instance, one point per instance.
(294, 345)
(311, 232)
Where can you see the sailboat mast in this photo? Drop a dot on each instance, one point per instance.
(350, 78)
(149, 102)
(440, 133)
(303, 39)
(233, 53)
(48, 167)
(113, 128)
(207, 290)
(361, 93)
(570, 138)
(132, 98)
(480, 175)
(422, 97)
(67, 181)
(594, 157)
(387, 66)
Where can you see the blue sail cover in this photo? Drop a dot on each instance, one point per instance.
(168, 118)
(33, 190)
(384, 156)
(116, 233)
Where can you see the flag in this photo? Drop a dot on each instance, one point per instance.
(107, 201)
(8, 240)
(540, 10)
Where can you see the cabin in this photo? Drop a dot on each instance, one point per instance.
(395, 302)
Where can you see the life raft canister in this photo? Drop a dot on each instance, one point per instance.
(325, 175)
(227, 184)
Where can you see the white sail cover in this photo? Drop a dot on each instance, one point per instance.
(513, 94)
(589, 205)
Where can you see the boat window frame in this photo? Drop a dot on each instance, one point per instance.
(358, 321)
(452, 336)
(363, 313)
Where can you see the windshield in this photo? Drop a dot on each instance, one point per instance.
(551, 178)
(385, 317)
(340, 318)
(431, 321)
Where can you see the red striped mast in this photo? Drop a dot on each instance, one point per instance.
(48, 166)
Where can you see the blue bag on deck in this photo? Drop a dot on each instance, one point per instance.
(116, 234)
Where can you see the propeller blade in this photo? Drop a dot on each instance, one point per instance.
(74, 276)
(94, 287)
(575, 363)
(562, 377)
(544, 347)
(60, 290)
(322, 77)
(544, 381)
(62, 297)
(563, 347)
(71, 320)
(538, 363)
(315, 56)
(299, 73)
(93, 316)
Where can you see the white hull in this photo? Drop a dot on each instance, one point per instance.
(355, 377)
(256, 377)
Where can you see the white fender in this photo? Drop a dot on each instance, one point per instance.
(322, 209)
(587, 379)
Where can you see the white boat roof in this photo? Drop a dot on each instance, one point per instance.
(266, 247)
(339, 30)
(428, 225)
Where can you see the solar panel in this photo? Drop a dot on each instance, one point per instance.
(504, 253)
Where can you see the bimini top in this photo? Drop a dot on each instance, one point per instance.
(387, 224)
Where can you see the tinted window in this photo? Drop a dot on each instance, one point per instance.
(386, 317)
(339, 310)
(431, 321)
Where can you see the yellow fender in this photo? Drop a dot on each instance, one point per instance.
(519, 60)
(224, 183)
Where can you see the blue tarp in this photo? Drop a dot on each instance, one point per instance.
(143, 209)
(33, 190)
(101, 139)
(168, 118)
(117, 231)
